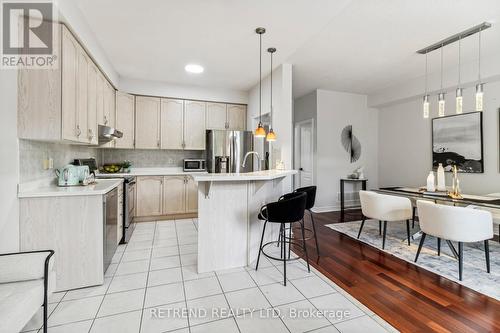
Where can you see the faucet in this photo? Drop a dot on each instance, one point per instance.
(246, 156)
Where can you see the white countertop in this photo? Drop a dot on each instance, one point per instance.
(256, 175)
(171, 171)
(102, 187)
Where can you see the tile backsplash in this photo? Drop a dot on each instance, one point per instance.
(32, 154)
(143, 158)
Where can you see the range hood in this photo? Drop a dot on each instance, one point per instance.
(107, 134)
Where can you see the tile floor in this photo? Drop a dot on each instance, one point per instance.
(153, 286)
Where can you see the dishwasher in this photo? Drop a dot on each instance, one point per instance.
(110, 225)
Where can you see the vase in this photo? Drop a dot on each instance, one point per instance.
(441, 184)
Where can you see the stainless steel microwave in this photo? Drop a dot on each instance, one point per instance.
(194, 164)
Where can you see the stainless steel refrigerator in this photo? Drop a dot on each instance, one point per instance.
(226, 150)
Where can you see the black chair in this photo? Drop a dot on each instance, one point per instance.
(289, 208)
(311, 198)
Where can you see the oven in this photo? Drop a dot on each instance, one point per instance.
(194, 164)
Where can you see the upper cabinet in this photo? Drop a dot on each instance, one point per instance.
(147, 122)
(194, 125)
(222, 116)
(125, 106)
(172, 119)
(67, 103)
(236, 117)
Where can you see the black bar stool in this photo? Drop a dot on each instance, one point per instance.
(311, 198)
(289, 209)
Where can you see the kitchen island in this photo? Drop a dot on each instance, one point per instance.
(229, 230)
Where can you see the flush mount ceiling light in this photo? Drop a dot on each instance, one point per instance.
(194, 68)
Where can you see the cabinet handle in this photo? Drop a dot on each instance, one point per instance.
(91, 134)
(105, 120)
(158, 143)
(78, 130)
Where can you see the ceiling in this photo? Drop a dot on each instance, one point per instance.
(358, 46)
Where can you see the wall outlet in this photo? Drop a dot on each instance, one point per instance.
(48, 163)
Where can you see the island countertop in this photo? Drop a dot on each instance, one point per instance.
(101, 187)
(256, 175)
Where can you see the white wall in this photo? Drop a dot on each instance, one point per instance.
(9, 167)
(405, 152)
(164, 89)
(282, 113)
(335, 110)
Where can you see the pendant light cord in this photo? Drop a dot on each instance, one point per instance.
(479, 61)
(459, 60)
(271, 122)
(260, 78)
(442, 47)
(426, 73)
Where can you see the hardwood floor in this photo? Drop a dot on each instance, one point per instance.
(410, 298)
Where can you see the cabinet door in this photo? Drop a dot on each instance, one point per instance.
(82, 95)
(131, 200)
(171, 123)
(236, 117)
(194, 125)
(101, 118)
(216, 116)
(69, 86)
(191, 195)
(147, 121)
(92, 104)
(174, 195)
(125, 119)
(111, 104)
(149, 196)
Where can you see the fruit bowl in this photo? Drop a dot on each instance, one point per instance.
(111, 168)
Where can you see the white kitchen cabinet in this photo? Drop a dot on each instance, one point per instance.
(194, 125)
(172, 119)
(69, 87)
(109, 104)
(236, 117)
(149, 191)
(147, 122)
(82, 95)
(174, 191)
(191, 195)
(125, 119)
(92, 135)
(101, 117)
(216, 116)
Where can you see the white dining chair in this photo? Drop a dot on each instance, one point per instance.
(459, 224)
(385, 208)
(495, 212)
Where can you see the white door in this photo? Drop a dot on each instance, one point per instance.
(125, 119)
(305, 153)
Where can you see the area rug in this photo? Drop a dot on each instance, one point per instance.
(474, 272)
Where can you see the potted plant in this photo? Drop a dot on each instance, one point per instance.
(126, 166)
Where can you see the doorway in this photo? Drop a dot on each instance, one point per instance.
(304, 153)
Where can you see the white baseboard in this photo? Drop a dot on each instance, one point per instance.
(335, 208)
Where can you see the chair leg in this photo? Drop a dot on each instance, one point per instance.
(460, 260)
(413, 217)
(487, 254)
(361, 227)
(279, 237)
(383, 235)
(422, 239)
(45, 312)
(380, 228)
(315, 235)
(304, 245)
(283, 249)
(289, 240)
(439, 246)
(260, 247)
(408, 231)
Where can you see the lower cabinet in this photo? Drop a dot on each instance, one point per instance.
(166, 195)
(149, 193)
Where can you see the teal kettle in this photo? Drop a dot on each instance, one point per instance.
(67, 176)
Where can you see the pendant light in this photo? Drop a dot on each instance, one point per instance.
(271, 136)
(260, 132)
(459, 92)
(441, 102)
(425, 104)
(479, 85)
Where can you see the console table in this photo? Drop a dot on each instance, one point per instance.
(342, 199)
